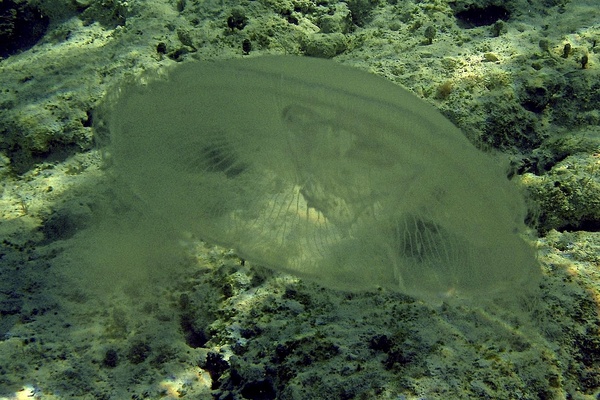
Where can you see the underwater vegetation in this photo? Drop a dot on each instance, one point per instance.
(102, 298)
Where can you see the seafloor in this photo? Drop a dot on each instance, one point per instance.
(520, 78)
